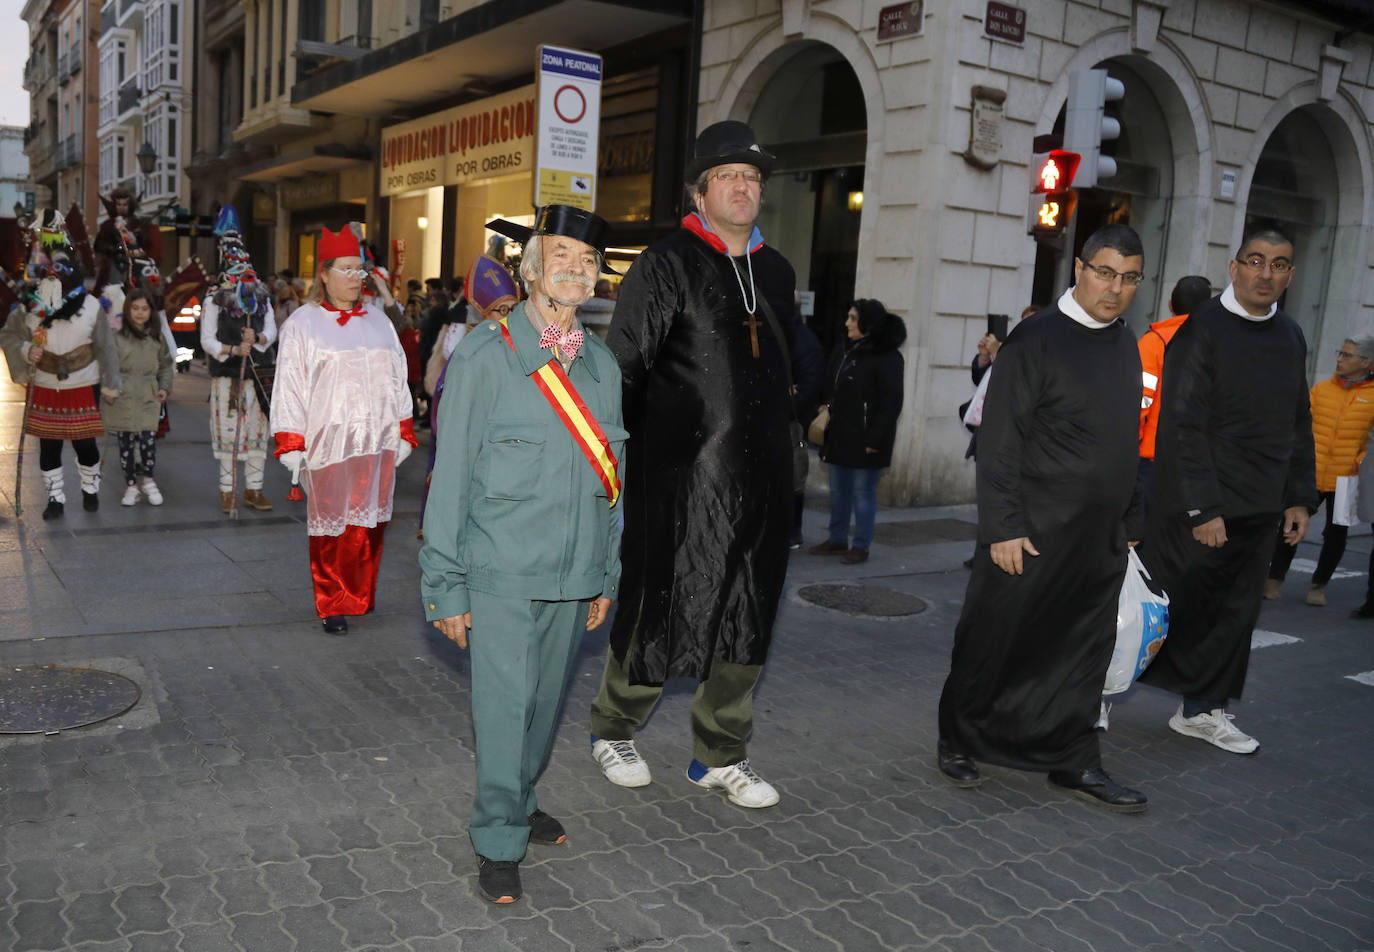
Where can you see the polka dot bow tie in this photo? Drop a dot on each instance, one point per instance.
(568, 344)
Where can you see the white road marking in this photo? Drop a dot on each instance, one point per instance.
(1260, 638)
(1308, 566)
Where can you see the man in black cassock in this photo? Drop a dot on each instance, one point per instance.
(708, 490)
(1234, 455)
(1057, 509)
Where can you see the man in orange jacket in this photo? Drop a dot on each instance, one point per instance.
(1188, 293)
(1342, 412)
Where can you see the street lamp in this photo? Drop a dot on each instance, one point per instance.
(147, 157)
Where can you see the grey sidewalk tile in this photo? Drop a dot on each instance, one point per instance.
(1199, 905)
(796, 932)
(91, 918)
(259, 930)
(154, 942)
(864, 925)
(1345, 907)
(1100, 916)
(409, 915)
(1043, 930)
(211, 937)
(536, 933)
(1298, 918)
(362, 921)
(33, 879)
(241, 889)
(334, 877)
(1145, 901)
(1001, 937)
(311, 928)
(421, 864)
(1263, 933)
(289, 884)
(376, 870)
(941, 911)
(990, 903)
(38, 925)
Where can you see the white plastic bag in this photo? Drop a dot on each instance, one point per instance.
(973, 416)
(1142, 623)
(1343, 506)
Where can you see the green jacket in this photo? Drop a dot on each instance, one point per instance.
(515, 509)
(145, 367)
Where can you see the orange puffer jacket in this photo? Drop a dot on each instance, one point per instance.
(1341, 416)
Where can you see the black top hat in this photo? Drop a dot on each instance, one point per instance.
(724, 142)
(565, 220)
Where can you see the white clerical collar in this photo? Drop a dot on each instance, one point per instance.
(1228, 301)
(1070, 306)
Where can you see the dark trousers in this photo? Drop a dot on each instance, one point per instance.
(1333, 547)
(722, 709)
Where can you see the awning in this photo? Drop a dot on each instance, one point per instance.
(493, 42)
(318, 158)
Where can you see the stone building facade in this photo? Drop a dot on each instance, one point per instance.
(1235, 112)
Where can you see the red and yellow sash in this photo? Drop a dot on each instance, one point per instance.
(554, 384)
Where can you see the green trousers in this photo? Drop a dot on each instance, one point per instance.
(722, 709)
(522, 652)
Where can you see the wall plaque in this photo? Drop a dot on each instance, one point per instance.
(1005, 22)
(985, 127)
(901, 19)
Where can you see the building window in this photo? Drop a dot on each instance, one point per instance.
(311, 24)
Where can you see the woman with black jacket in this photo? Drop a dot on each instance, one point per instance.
(864, 392)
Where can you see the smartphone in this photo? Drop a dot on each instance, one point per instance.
(997, 326)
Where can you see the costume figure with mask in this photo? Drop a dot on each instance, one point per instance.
(59, 344)
(127, 249)
(237, 323)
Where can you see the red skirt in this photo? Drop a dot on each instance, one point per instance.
(64, 414)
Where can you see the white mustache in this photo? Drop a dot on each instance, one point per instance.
(574, 277)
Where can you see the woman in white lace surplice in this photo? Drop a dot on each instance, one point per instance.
(341, 416)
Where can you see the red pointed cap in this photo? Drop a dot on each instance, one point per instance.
(343, 244)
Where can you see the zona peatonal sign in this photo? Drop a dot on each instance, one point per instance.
(478, 140)
(569, 122)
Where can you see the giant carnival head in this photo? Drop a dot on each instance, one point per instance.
(237, 278)
(54, 270)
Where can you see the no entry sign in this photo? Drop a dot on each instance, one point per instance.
(569, 122)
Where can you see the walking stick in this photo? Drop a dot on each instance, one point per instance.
(234, 453)
(40, 337)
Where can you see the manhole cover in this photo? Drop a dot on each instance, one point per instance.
(863, 600)
(36, 699)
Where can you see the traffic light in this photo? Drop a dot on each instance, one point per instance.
(1052, 197)
(1086, 124)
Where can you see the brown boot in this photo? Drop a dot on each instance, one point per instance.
(226, 502)
(254, 499)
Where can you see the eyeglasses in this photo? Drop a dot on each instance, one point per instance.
(349, 272)
(1346, 355)
(1133, 278)
(727, 176)
(1257, 263)
(504, 309)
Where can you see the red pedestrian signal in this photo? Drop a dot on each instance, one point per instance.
(1055, 172)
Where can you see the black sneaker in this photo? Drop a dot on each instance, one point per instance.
(90, 501)
(54, 510)
(546, 830)
(499, 879)
(335, 624)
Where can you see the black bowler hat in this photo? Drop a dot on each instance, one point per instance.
(565, 220)
(722, 143)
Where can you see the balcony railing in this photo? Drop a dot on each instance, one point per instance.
(67, 153)
(109, 16)
(75, 57)
(37, 72)
(129, 95)
(64, 69)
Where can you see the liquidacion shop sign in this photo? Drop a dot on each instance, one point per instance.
(569, 122)
(479, 140)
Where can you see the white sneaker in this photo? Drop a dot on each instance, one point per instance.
(620, 762)
(1215, 727)
(151, 491)
(130, 496)
(742, 786)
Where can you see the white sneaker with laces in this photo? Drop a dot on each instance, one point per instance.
(130, 496)
(151, 491)
(620, 762)
(742, 786)
(1215, 727)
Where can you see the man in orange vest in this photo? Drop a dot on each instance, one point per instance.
(1342, 412)
(1189, 293)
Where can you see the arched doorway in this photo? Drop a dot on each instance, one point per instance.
(811, 114)
(1295, 187)
(1139, 195)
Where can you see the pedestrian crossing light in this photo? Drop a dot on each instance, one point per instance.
(1052, 197)
(1086, 124)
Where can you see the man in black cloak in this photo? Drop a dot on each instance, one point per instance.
(1234, 456)
(1057, 509)
(700, 334)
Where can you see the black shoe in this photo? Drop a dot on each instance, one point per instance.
(90, 501)
(1094, 784)
(959, 769)
(546, 830)
(1364, 611)
(54, 510)
(336, 624)
(499, 879)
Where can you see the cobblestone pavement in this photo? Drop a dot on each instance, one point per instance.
(277, 789)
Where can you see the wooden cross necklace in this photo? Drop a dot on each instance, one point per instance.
(751, 322)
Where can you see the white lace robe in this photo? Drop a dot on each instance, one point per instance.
(343, 388)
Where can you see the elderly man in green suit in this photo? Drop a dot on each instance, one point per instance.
(522, 537)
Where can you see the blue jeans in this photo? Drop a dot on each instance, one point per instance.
(853, 490)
